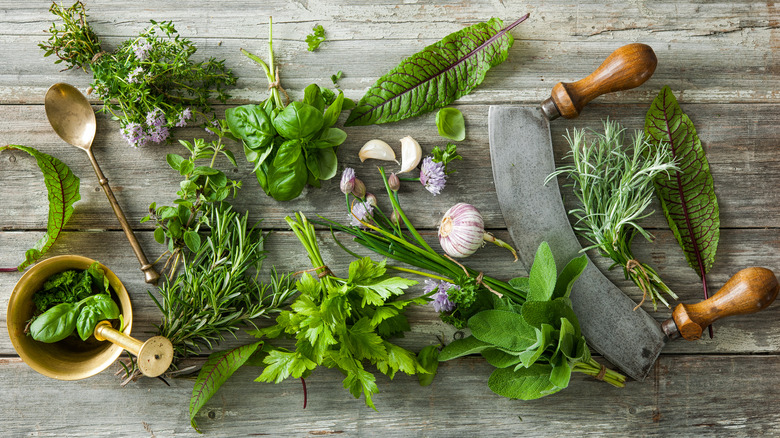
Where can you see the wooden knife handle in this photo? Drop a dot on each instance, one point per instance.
(627, 67)
(748, 291)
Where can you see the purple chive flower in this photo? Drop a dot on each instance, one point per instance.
(134, 134)
(141, 49)
(432, 176)
(133, 76)
(361, 211)
(184, 117)
(441, 300)
(347, 180)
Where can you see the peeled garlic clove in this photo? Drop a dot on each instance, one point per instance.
(378, 150)
(411, 154)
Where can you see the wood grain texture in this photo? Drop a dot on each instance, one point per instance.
(719, 57)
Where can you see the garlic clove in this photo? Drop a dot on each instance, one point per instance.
(378, 150)
(411, 154)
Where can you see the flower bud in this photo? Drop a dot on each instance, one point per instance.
(371, 199)
(347, 180)
(395, 218)
(359, 189)
(394, 182)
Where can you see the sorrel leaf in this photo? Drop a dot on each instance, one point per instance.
(63, 188)
(688, 198)
(219, 367)
(436, 76)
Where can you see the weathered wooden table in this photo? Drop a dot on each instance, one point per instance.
(721, 58)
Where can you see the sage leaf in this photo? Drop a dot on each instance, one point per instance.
(561, 372)
(570, 273)
(499, 358)
(503, 329)
(428, 358)
(450, 123)
(543, 275)
(525, 384)
(537, 313)
(218, 368)
(462, 347)
(688, 198)
(63, 189)
(436, 76)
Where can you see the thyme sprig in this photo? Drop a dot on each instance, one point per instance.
(613, 181)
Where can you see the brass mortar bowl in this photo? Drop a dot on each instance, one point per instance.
(71, 358)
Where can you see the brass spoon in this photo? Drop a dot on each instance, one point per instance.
(73, 119)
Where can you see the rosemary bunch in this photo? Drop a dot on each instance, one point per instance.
(149, 83)
(613, 182)
(218, 290)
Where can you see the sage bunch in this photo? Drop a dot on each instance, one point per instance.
(612, 179)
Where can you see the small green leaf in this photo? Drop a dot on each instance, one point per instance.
(298, 121)
(55, 324)
(525, 384)
(520, 284)
(450, 123)
(217, 369)
(159, 235)
(186, 167)
(500, 359)
(561, 373)
(570, 273)
(463, 347)
(192, 240)
(536, 313)
(543, 275)
(334, 110)
(315, 38)
(503, 329)
(86, 322)
(312, 96)
(428, 358)
(174, 160)
(331, 137)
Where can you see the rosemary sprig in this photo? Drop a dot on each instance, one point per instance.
(614, 185)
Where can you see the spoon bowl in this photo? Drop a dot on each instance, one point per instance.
(71, 115)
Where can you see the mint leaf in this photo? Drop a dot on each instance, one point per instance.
(217, 369)
(543, 275)
(63, 190)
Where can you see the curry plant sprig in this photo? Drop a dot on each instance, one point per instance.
(613, 182)
(149, 83)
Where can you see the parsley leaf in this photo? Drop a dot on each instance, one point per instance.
(316, 37)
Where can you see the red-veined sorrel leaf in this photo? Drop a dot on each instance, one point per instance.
(218, 368)
(63, 188)
(435, 77)
(688, 197)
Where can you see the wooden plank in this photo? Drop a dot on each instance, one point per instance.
(730, 402)
(739, 249)
(709, 53)
(741, 148)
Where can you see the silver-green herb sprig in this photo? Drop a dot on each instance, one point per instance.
(613, 181)
(149, 84)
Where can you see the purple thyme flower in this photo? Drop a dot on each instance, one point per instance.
(211, 125)
(184, 117)
(441, 300)
(141, 49)
(132, 78)
(156, 118)
(361, 211)
(432, 176)
(134, 134)
(158, 134)
(347, 180)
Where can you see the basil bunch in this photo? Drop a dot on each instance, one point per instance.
(294, 145)
(61, 320)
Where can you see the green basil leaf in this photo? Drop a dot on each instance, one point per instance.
(570, 273)
(252, 124)
(692, 190)
(55, 324)
(313, 164)
(192, 240)
(286, 183)
(96, 271)
(450, 123)
(86, 322)
(536, 313)
(298, 121)
(105, 306)
(334, 111)
(328, 94)
(331, 137)
(328, 162)
(312, 96)
(217, 369)
(543, 275)
(524, 384)
(435, 77)
(288, 153)
(503, 329)
(462, 347)
(62, 187)
(174, 160)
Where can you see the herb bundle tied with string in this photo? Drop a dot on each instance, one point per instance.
(613, 181)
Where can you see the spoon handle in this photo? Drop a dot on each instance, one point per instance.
(150, 274)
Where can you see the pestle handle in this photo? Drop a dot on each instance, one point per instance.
(153, 356)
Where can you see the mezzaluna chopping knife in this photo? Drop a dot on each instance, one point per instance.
(522, 158)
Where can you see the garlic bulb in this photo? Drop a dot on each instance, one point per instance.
(378, 150)
(462, 232)
(411, 154)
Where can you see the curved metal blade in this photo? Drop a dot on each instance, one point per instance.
(522, 156)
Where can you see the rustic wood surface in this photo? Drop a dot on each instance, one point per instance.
(721, 58)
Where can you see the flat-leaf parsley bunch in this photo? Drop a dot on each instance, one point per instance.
(149, 83)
